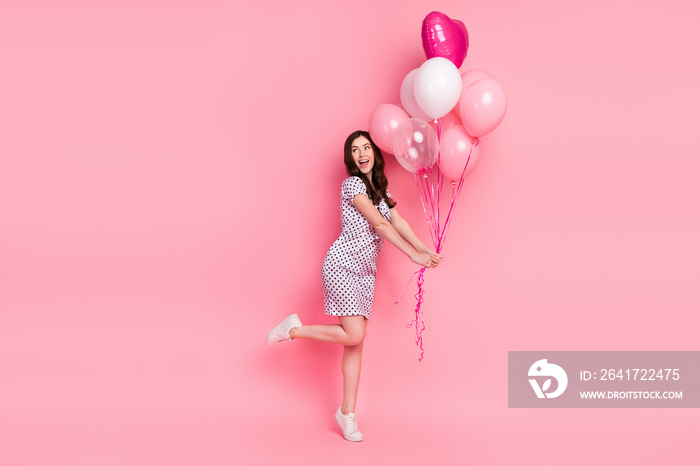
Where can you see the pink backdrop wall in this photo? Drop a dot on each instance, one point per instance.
(169, 174)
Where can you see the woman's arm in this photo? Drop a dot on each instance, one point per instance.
(407, 233)
(385, 228)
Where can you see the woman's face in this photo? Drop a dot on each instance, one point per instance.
(363, 155)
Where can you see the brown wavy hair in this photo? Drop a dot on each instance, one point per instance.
(377, 188)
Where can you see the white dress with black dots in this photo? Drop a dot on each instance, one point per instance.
(350, 267)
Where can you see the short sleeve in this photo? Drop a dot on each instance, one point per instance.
(351, 187)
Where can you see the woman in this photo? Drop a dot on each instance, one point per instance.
(368, 215)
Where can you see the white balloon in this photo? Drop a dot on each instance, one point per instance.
(437, 87)
(408, 98)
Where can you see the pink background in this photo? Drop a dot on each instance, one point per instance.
(169, 178)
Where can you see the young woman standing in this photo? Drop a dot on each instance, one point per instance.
(368, 216)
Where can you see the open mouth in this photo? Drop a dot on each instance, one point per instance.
(363, 163)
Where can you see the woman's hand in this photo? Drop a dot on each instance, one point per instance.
(426, 259)
(434, 257)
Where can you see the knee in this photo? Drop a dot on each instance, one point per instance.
(355, 339)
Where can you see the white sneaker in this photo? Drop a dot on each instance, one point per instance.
(348, 424)
(281, 332)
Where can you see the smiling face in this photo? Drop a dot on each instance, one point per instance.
(363, 155)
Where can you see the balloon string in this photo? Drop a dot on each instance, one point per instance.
(430, 190)
(455, 197)
(430, 200)
(429, 203)
(453, 204)
(407, 285)
(418, 177)
(438, 245)
(433, 225)
(429, 196)
(433, 197)
(439, 183)
(418, 320)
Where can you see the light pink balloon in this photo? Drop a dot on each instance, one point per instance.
(482, 106)
(468, 78)
(416, 145)
(408, 98)
(455, 146)
(383, 121)
(447, 122)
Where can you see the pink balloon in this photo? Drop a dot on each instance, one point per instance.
(482, 106)
(383, 121)
(444, 37)
(455, 148)
(408, 98)
(416, 145)
(468, 78)
(447, 122)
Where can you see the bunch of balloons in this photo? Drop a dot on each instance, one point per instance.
(435, 132)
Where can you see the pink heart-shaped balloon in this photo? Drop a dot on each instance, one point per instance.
(445, 37)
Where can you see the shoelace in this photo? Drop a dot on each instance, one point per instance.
(352, 424)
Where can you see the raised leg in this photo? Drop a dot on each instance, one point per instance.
(350, 331)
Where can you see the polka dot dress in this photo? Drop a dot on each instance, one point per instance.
(350, 268)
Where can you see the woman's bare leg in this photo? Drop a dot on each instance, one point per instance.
(352, 362)
(350, 333)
